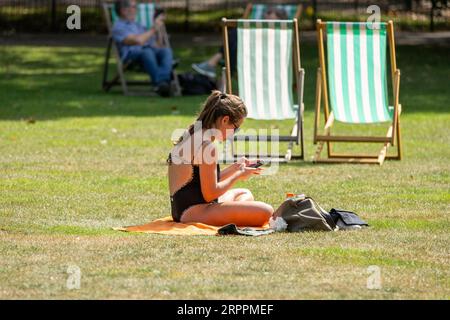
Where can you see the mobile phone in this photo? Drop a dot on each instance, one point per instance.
(258, 164)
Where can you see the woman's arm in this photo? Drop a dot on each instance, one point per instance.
(228, 171)
(211, 189)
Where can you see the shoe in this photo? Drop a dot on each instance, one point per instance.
(175, 63)
(163, 89)
(205, 69)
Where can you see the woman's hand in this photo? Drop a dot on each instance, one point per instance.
(245, 161)
(247, 172)
(242, 161)
(235, 167)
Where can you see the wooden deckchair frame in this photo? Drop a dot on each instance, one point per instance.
(119, 78)
(249, 7)
(392, 136)
(297, 130)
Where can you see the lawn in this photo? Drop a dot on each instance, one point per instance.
(75, 162)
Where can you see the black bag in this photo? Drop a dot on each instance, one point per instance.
(193, 84)
(347, 219)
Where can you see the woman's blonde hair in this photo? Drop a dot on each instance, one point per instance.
(218, 105)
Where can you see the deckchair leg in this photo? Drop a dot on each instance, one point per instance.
(121, 76)
(318, 102)
(176, 85)
(318, 152)
(301, 132)
(398, 111)
(288, 155)
(106, 66)
(118, 78)
(382, 154)
(383, 151)
(399, 145)
(114, 81)
(223, 85)
(398, 138)
(319, 149)
(297, 131)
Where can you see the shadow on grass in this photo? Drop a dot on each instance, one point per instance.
(51, 83)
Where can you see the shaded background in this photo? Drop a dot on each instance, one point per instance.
(204, 15)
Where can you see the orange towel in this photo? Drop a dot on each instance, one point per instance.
(168, 226)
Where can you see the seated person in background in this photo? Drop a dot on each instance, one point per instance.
(208, 67)
(136, 44)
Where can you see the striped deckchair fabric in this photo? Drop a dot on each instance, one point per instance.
(356, 55)
(258, 10)
(264, 68)
(144, 16)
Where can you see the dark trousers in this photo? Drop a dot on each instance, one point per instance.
(157, 62)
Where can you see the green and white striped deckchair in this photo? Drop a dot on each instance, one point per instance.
(256, 11)
(355, 85)
(264, 65)
(268, 56)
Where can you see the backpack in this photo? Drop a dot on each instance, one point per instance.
(193, 84)
(304, 214)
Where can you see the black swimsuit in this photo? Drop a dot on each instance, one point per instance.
(190, 194)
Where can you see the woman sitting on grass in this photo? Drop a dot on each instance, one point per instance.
(199, 191)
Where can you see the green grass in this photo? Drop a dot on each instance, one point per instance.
(62, 190)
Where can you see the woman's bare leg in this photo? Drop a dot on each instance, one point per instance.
(238, 194)
(241, 213)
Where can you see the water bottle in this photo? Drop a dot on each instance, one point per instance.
(295, 196)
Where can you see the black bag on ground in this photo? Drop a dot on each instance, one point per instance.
(346, 219)
(304, 214)
(193, 84)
